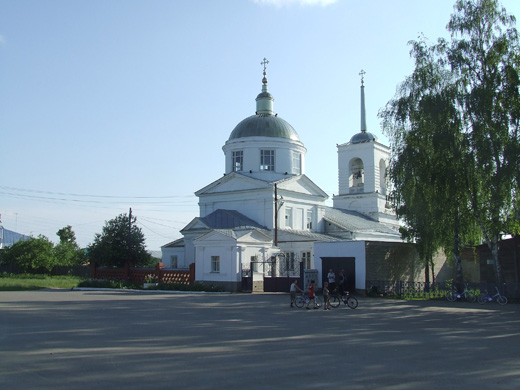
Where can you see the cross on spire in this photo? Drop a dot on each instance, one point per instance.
(264, 63)
(362, 74)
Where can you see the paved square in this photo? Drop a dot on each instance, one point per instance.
(57, 339)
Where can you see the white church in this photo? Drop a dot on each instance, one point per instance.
(264, 217)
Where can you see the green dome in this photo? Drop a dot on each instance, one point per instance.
(264, 126)
(362, 137)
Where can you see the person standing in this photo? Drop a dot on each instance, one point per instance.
(326, 296)
(341, 282)
(332, 280)
(293, 290)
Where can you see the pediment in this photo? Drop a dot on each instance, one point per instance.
(233, 182)
(236, 236)
(302, 185)
(195, 224)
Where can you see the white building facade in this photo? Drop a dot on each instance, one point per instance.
(265, 205)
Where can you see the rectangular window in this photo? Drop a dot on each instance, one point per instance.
(173, 262)
(215, 264)
(267, 160)
(297, 163)
(238, 161)
(288, 217)
(290, 261)
(306, 258)
(254, 263)
(309, 219)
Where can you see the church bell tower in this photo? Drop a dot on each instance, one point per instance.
(362, 164)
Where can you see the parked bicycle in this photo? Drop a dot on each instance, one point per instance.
(301, 300)
(501, 299)
(467, 294)
(336, 298)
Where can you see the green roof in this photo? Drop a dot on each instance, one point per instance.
(264, 126)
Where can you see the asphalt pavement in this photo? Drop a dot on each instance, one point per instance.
(62, 339)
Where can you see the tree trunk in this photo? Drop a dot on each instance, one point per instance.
(427, 275)
(459, 277)
(494, 252)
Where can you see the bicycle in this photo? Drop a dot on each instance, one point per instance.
(301, 300)
(467, 294)
(336, 298)
(501, 299)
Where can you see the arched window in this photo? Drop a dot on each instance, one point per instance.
(357, 175)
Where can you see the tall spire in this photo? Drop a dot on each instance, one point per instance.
(264, 101)
(363, 113)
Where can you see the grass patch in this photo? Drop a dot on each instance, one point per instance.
(26, 282)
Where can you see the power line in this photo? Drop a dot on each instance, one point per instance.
(97, 202)
(95, 196)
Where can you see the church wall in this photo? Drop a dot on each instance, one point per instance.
(255, 205)
(299, 215)
(298, 247)
(227, 253)
(176, 251)
(235, 255)
(251, 149)
(189, 247)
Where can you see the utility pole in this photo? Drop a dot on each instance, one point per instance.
(130, 221)
(275, 215)
(129, 235)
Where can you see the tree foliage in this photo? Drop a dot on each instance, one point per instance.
(454, 130)
(121, 242)
(67, 251)
(32, 255)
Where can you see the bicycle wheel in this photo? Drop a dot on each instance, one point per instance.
(299, 301)
(482, 299)
(334, 301)
(352, 302)
(469, 296)
(451, 296)
(502, 299)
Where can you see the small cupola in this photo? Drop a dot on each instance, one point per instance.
(264, 100)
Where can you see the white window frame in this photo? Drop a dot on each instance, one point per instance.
(288, 217)
(306, 258)
(237, 160)
(297, 163)
(291, 259)
(310, 216)
(267, 160)
(254, 261)
(174, 261)
(215, 264)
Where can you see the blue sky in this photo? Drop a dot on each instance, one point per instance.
(107, 105)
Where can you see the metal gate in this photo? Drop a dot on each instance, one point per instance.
(274, 275)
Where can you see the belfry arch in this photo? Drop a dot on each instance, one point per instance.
(357, 175)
